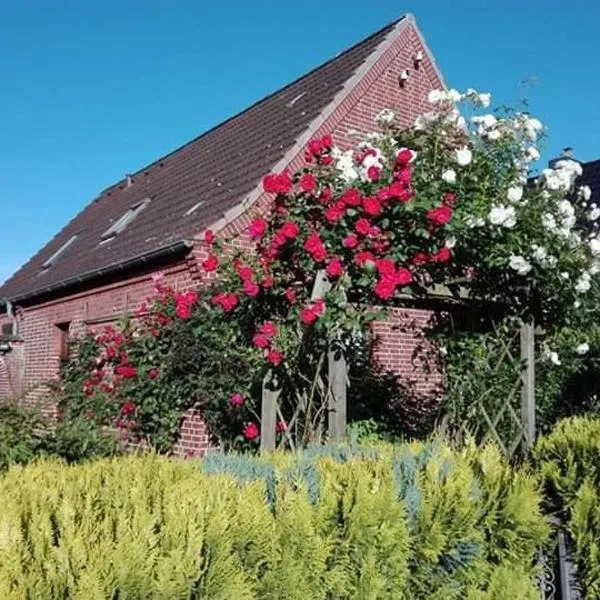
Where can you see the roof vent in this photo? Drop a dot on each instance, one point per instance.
(128, 181)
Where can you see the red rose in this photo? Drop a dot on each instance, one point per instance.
(244, 272)
(334, 213)
(290, 230)
(403, 276)
(449, 198)
(153, 373)
(277, 184)
(236, 400)
(319, 306)
(308, 183)
(420, 258)
(400, 191)
(260, 341)
(268, 328)
(274, 357)
(334, 268)
(326, 195)
(308, 316)
(126, 371)
(372, 206)
(362, 226)
(183, 311)
(251, 431)
(350, 241)
(290, 295)
(385, 266)
(227, 301)
(211, 263)
(383, 195)
(315, 146)
(404, 156)
(384, 288)
(280, 427)
(257, 228)
(404, 176)
(251, 288)
(440, 215)
(209, 236)
(327, 141)
(363, 257)
(373, 173)
(128, 408)
(351, 197)
(315, 247)
(443, 255)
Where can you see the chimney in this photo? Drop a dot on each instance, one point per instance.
(566, 154)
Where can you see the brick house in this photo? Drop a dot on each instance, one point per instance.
(100, 265)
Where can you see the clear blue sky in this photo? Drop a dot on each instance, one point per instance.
(92, 90)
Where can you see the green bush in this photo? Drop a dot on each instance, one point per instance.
(407, 521)
(22, 435)
(569, 462)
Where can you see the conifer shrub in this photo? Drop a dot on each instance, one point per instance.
(569, 463)
(406, 521)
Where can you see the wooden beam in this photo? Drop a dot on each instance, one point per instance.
(338, 386)
(527, 336)
(268, 417)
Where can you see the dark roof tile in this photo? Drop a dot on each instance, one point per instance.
(219, 167)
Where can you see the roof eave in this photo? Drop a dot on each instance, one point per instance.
(136, 261)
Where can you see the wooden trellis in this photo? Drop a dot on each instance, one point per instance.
(336, 393)
(506, 417)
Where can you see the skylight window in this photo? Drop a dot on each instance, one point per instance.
(54, 258)
(119, 225)
(194, 208)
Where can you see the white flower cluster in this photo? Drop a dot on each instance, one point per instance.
(503, 216)
(386, 117)
(562, 176)
(446, 96)
(344, 163)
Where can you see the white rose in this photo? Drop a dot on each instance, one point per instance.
(532, 153)
(539, 252)
(454, 95)
(463, 156)
(593, 214)
(489, 121)
(449, 176)
(519, 264)
(494, 135)
(386, 117)
(582, 349)
(485, 100)
(436, 96)
(514, 193)
(594, 244)
(582, 285)
(450, 242)
(503, 215)
(554, 359)
(586, 192)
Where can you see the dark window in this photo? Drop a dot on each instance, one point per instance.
(62, 340)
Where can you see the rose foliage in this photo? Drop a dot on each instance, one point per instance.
(446, 203)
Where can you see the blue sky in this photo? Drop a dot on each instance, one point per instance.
(93, 90)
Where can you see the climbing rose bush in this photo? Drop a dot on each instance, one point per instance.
(447, 202)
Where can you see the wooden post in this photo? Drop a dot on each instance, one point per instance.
(268, 417)
(338, 383)
(528, 378)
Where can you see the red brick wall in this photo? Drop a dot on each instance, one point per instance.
(379, 88)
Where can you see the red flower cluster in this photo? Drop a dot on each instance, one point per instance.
(310, 314)
(318, 150)
(263, 339)
(390, 277)
(184, 303)
(257, 228)
(277, 183)
(315, 247)
(237, 400)
(227, 301)
(439, 216)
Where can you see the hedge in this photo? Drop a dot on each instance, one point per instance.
(569, 463)
(409, 521)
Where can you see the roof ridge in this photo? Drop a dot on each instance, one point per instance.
(255, 104)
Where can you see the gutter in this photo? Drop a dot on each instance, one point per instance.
(136, 261)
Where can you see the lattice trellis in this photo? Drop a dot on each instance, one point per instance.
(502, 398)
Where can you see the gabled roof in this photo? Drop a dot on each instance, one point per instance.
(191, 188)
